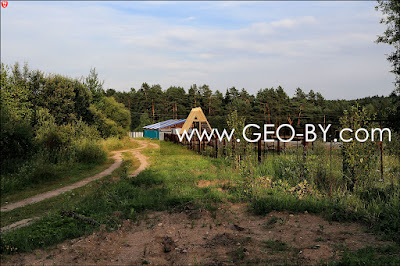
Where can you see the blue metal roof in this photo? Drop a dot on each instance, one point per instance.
(163, 124)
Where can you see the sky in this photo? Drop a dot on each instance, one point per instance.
(324, 46)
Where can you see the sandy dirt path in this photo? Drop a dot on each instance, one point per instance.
(117, 156)
(228, 236)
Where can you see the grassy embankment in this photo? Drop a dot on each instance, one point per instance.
(67, 174)
(37, 176)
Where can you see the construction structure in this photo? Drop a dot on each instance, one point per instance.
(196, 119)
(157, 130)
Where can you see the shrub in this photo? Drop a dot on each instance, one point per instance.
(287, 168)
(89, 151)
(32, 171)
(115, 143)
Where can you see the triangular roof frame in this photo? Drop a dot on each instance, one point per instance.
(196, 115)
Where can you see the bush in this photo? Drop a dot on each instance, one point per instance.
(89, 151)
(33, 171)
(287, 168)
(115, 143)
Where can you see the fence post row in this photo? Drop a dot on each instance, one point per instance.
(275, 147)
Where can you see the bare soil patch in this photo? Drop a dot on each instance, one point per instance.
(230, 235)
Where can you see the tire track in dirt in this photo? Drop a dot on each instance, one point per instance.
(117, 156)
(18, 224)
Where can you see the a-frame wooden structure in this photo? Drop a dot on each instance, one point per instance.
(196, 119)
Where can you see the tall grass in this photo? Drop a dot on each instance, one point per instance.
(167, 185)
(172, 182)
(33, 171)
(316, 183)
(115, 143)
(89, 151)
(46, 165)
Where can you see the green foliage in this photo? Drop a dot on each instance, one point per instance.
(45, 124)
(144, 121)
(58, 97)
(385, 255)
(94, 85)
(235, 122)
(391, 10)
(16, 113)
(115, 111)
(105, 125)
(359, 156)
(159, 188)
(89, 151)
(32, 171)
(51, 229)
(38, 109)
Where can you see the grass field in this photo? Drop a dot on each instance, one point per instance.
(179, 176)
(54, 176)
(66, 176)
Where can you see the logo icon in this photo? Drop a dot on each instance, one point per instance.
(4, 4)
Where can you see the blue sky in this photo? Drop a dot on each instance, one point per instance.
(325, 46)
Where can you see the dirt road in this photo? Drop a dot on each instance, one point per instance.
(117, 156)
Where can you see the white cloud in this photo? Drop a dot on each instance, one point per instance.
(291, 23)
(307, 49)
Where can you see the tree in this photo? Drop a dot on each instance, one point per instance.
(82, 100)
(300, 95)
(194, 96)
(144, 121)
(15, 117)
(115, 111)
(58, 96)
(358, 157)
(237, 123)
(93, 83)
(311, 97)
(391, 10)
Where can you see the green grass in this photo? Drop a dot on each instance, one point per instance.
(276, 245)
(66, 176)
(69, 199)
(166, 185)
(172, 181)
(114, 143)
(271, 222)
(386, 255)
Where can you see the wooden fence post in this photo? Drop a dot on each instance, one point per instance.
(216, 148)
(279, 146)
(381, 148)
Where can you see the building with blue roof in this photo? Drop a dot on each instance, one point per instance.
(153, 131)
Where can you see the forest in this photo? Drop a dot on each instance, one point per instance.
(52, 111)
(49, 120)
(150, 104)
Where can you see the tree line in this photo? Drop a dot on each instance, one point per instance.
(51, 112)
(150, 104)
